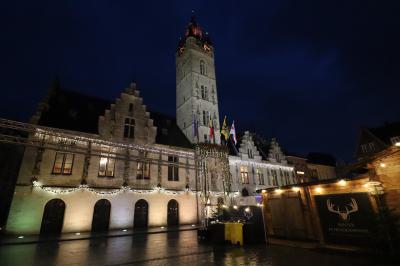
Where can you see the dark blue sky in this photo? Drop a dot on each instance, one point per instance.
(308, 72)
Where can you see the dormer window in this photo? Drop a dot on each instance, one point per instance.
(202, 68)
(395, 140)
(129, 128)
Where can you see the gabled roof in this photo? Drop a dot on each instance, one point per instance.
(66, 109)
(386, 131)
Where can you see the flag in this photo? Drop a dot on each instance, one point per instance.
(224, 130)
(211, 126)
(233, 132)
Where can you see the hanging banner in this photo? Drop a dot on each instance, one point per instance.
(346, 218)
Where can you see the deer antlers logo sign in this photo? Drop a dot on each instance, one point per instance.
(346, 217)
(344, 214)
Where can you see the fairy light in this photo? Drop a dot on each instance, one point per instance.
(296, 189)
(342, 182)
(383, 165)
(53, 190)
(318, 189)
(278, 191)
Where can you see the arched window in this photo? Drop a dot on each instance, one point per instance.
(202, 68)
(245, 193)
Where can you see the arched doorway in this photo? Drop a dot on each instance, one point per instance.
(101, 216)
(173, 213)
(53, 217)
(141, 215)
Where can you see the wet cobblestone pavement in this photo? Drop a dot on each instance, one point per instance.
(172, 248)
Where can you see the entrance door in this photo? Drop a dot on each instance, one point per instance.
(140, 219)
(53, 217)
(101, 216)
(173, 213)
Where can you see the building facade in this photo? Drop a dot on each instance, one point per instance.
(92, 164)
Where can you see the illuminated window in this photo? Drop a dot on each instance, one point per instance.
(63, 163)
(143, 170)
(244, 174)
(106, 167)
(173, 168)
(129, 128)
(260, 176)
(202, 68)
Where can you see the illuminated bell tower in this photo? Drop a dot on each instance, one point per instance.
(196, 90)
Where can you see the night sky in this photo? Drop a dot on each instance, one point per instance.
(308, 72)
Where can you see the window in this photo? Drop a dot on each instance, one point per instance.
(371, 146)
(250, 153)
(202, 68)
(274, 177)
(130, 108)
(205, 118)
(277, 157)
(129, 128)
(63, 163)
(143, 170)
(244, 174)
(364, 148)
(260, 176)
(314, 173)
(395, 140)
(164, 131)
(106, 167)
(205, 138)
(173, 169)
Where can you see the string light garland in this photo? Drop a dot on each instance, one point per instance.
(57, 190)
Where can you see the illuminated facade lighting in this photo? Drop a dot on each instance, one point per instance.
(397, 144)
(247, 209)
(278, 190)
(263, 191)
(342, 182)
(383, 165)
(300, 172)
(235, 207)
(296, 189)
